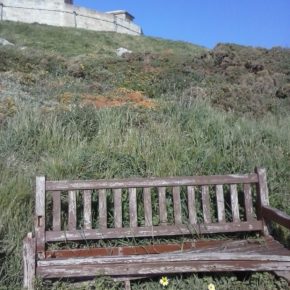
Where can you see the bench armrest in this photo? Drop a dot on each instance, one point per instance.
(276, 215)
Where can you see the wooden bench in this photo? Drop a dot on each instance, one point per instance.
(81, 228)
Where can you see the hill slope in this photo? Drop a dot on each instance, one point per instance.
(71, 108)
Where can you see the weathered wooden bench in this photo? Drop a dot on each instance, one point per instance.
(81, 228)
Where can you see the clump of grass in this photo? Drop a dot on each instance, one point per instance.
(124, 142)
(185, 135)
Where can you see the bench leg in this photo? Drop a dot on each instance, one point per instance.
(283, 274)
(29, 262)
(127, 285)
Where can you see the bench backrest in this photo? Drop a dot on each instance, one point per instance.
(147, 207)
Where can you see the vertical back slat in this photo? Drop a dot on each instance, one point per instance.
(177, 205)
(72, 210)
(147, 206)
(248, 202)
(235, 203)
(40, 216)
(162, 205)
(56, 207)
(117, 208)
(133, 207)
(191, 205)
(102, 209)
(205, 204)
(87, 209)
(220, 203)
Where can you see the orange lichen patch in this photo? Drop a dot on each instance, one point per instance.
(119, 97)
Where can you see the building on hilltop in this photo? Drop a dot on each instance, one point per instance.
(65, 13)
(122, 14)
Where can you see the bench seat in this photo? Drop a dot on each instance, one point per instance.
(263, 254)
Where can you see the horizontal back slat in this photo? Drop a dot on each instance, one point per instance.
(151, 182)
(52, 236)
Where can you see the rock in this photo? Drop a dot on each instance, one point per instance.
(121, 51)
(5, 42)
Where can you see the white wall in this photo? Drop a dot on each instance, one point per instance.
(57, 13)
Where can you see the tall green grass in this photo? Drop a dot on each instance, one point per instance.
(176, 139)
(183, 135)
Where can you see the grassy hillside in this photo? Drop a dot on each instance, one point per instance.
(71, 108)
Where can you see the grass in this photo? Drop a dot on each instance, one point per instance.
(199, 126)
(80, 42)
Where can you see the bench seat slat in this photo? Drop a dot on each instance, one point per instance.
(158, 267)
(121, 251)
(198, 246)
(152, 182)
(165, 257)
(168, 230)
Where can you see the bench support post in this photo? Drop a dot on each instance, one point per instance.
(29, 258)
(40, 216)
(127, 285)
(262, 196)
(283, 274)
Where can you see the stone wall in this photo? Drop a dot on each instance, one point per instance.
(58, 13)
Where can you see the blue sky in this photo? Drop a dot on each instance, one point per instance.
(263, 23)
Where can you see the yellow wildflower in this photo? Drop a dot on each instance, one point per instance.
(211, 287)
(164, 281)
